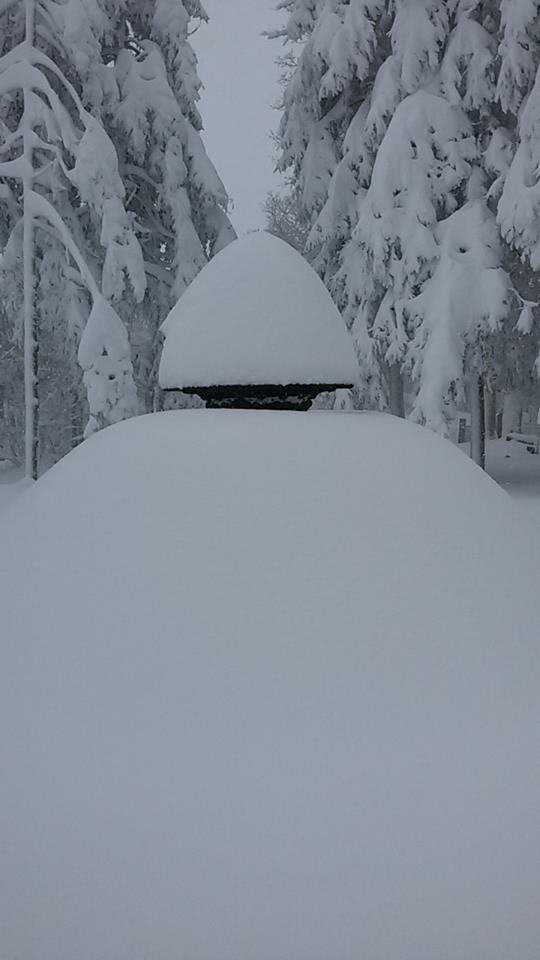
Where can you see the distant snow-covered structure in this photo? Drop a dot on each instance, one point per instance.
(257, 328)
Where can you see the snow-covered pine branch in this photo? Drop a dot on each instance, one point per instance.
(104, 352)
(519, 205)
(94, 172)
(464, 301)
(424, 159)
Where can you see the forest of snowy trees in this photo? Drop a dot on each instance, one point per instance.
(411, 134)
(410, 143)
(109, 206)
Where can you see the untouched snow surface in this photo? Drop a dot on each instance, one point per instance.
(269, 689)
(11, 484)
(518, 471)
(256, 314)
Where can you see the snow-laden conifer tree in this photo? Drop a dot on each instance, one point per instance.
(512, 159)
(328, 132)
(67, 240)
(343, 46)
(433, 91)
(149, 210)
(424, 159)
(173, 189)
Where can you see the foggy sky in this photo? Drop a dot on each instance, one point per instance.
(236, 65)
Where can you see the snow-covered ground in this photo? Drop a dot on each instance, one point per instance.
(11, 484)
(518, 472)
(269, 688)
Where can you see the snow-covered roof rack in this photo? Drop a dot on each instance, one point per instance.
(257, 327)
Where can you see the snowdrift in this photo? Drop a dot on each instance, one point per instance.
(268, 689)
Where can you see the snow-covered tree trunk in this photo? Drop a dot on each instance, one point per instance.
(512, 412)
(30, 319)
(490, 403)
(478, 422)
(396, 399)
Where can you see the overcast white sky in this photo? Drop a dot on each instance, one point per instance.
(237, 67)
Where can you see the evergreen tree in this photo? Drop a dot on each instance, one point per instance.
(66, 233)
(103, 231)
(174, 192)
(328, 132)
(439, 139)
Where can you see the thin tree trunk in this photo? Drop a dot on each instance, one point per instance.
(490, 399)
(512, 413)
(478, 422)
(77, 428)
(395, 390)
(30, 324)
(157, 399)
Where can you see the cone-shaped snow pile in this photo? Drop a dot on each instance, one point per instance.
(256, 314)
(269, 690)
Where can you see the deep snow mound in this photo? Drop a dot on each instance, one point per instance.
(268, 689)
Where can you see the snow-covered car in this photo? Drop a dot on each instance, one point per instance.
(268, 689)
